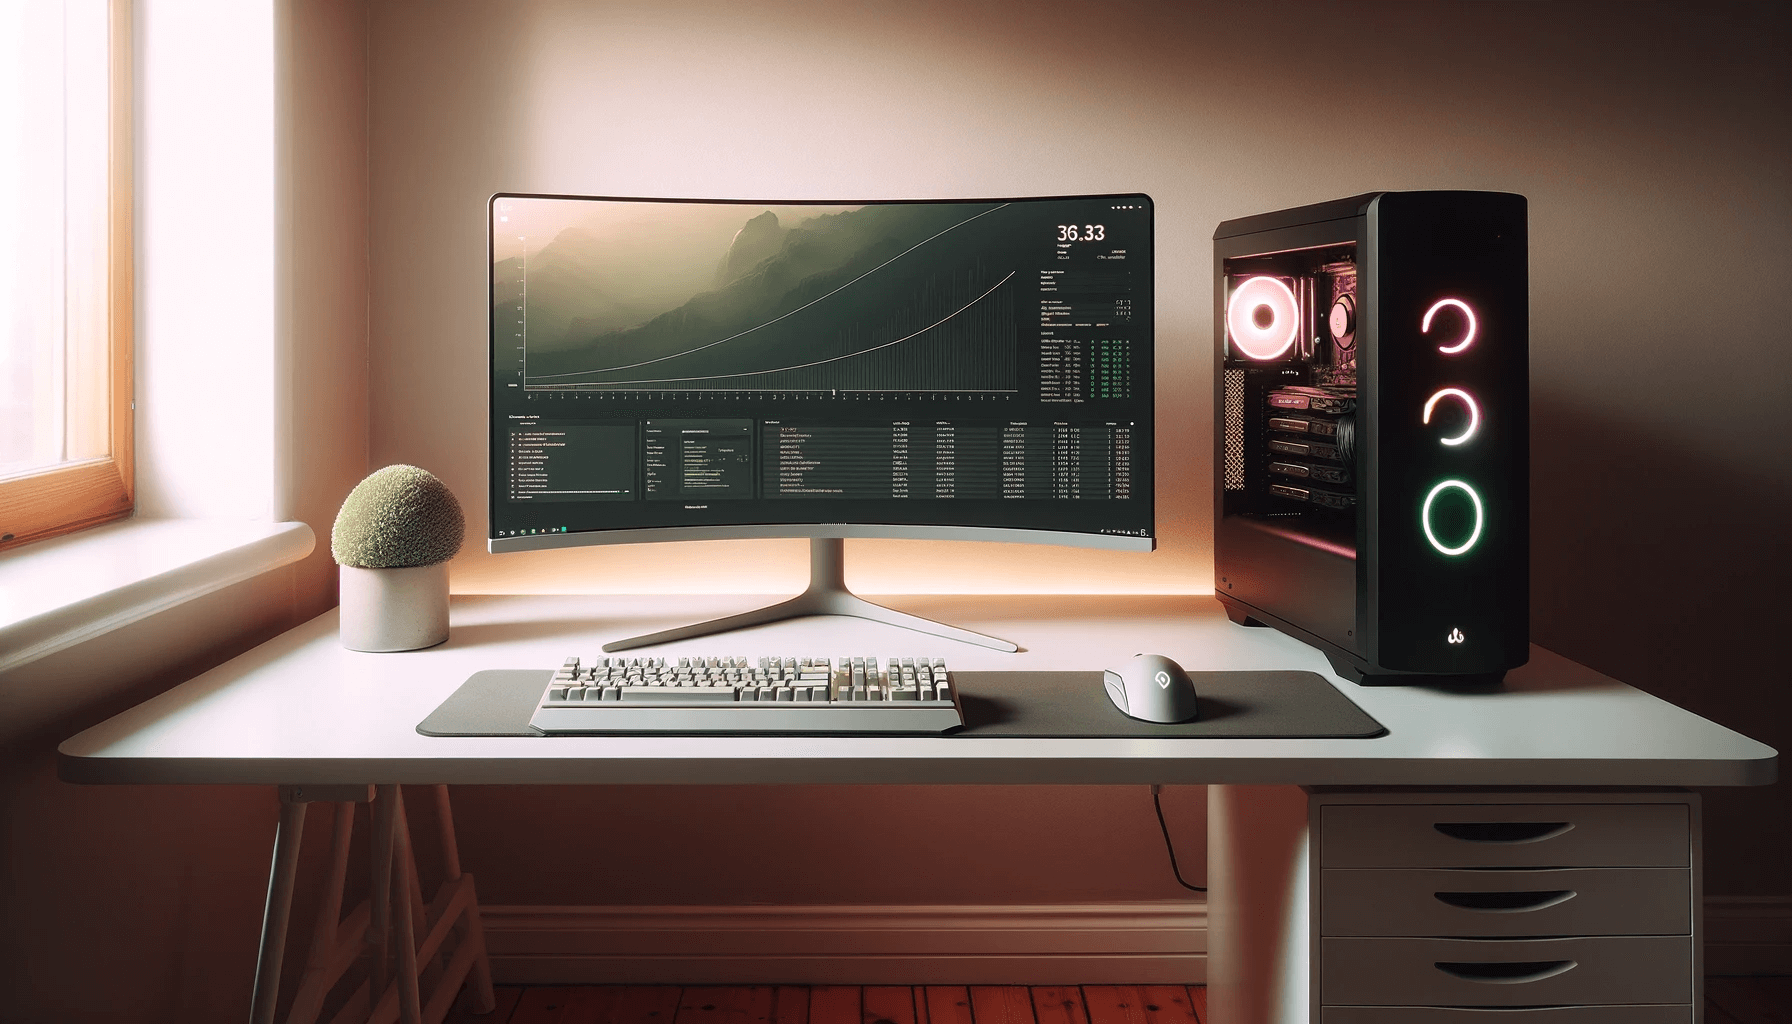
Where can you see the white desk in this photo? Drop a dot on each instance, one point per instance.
(300, 710)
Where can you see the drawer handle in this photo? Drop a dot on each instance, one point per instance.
(1506, 902)
(1502, 831)
(1519, 972)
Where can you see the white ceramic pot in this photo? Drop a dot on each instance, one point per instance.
(393, 609)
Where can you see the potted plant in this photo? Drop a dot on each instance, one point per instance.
(393, 538)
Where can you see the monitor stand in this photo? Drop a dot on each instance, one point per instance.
(827, 595)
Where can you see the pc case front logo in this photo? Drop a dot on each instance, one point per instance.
(1455, 636)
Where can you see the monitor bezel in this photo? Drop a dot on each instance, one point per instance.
(793, 530)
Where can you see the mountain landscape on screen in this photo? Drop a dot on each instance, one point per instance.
(768, 285)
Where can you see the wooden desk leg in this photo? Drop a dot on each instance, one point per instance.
(422, 929)
(385, 832)
(336, 943)
(428, 967)
(425, 987)
(484, 999)
(410, 1006)
(1257, 910)
(277, 909)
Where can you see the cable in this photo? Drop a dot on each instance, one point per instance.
(1169, 846)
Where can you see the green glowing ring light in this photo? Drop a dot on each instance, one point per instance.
(1425, 517)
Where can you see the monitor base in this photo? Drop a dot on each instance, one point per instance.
(827, 595)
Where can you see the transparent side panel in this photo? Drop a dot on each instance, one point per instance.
(1290, 393)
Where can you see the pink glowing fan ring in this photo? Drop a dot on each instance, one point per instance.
(1468, 403)
(1257, 335)
(1467, 339)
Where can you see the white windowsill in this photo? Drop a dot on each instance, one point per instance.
(60, 592)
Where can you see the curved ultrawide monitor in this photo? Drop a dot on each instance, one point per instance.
(680, 370)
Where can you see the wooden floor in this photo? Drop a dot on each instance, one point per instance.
(1748, 1001)
(1728, 1001)
(844, 1004)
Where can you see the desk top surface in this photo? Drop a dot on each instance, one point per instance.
(300, 709)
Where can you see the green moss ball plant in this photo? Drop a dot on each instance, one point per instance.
(399, 517)
(393, 538)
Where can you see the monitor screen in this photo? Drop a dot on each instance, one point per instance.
(669, 369)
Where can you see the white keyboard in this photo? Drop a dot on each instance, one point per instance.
(742, 695)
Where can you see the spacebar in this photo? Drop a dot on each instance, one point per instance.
(678, 694)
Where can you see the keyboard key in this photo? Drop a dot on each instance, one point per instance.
(677, 695)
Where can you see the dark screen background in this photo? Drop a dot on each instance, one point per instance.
(982, 364)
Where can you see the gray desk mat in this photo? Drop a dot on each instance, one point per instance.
(1234, 705)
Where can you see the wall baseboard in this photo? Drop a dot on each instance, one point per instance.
(1034, 944)
(1111, 943)
(1748, 935)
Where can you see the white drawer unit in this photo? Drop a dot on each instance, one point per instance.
(1499, 836)
(1457, 902)
(1506, 972)
(1505, 908)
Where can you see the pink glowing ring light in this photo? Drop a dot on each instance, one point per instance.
(1273, 338)
(1467, 339)
(1474, 413)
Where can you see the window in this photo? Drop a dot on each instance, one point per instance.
(65, 266)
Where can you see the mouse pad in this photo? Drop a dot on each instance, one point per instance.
(1234, 705)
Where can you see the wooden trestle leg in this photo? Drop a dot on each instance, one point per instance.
(484, 1000)
(276, 910)
(420, 987)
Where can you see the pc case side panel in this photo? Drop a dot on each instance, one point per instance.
(1269, 562)
(1310, 586)
(1446, 438)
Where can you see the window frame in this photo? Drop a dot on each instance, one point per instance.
(76, 495)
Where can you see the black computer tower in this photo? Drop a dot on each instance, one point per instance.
(1373, 431)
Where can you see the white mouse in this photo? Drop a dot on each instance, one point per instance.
(1152, 688)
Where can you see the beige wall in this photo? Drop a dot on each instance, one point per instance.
(322, 294)
(1651, 141)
